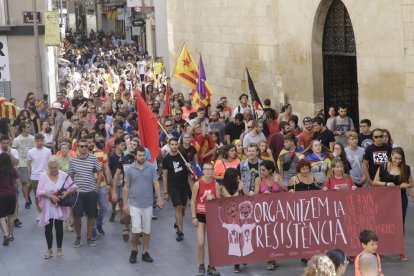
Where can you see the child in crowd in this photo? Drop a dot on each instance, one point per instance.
(368, 262)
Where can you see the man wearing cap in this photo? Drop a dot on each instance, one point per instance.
(305, 138)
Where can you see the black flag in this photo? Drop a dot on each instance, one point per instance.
(253, 94)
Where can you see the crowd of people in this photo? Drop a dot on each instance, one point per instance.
(88, 142)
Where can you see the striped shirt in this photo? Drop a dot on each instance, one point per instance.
(82, 170)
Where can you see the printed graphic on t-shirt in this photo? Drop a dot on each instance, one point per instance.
(177, 167)
(341, 186)
(379, 157)
(366, 143)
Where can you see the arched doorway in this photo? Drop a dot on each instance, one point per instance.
(340, 81)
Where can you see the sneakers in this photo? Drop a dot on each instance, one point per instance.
(112, 217)
(27, 205)
(11, 238)
(91, 242)
(147, 258)
(236, 268)
(17, 222)
(211, 270)
(93, 237)
(77, 243)
(133, 257)
(180, 236)
(38, 217)
(100, 231)
(6, 241)
(201, 270)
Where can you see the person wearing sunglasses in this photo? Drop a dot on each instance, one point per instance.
(375, 155)
(82, 169)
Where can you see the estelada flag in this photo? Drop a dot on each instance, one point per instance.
(148, 128)
(185, 69)
(7, 109)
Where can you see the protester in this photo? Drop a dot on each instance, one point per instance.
(320, 162)
(81, 169)
(319, 265)
(396, 173)
(228, 160)
(50, 182)
(141, 179)
(175, 180)
(339, 180)
(339, 260)
(368, 262)
(205, 189)
(9, 179)
(288, 158)
(304, 180)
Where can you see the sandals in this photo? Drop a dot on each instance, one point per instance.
(48, 255)
(59, 253)
(270, 266)
(125, 235)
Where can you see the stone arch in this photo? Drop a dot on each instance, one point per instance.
(333, 55)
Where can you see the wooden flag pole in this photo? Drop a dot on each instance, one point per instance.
(185, 161)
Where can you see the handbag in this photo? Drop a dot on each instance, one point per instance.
(71, 199)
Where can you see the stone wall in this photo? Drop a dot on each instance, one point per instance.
(280, 42)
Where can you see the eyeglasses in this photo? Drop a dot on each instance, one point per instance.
(379, 136)
(168, 125)
(83, 146)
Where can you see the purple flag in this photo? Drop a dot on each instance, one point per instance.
(201, 78)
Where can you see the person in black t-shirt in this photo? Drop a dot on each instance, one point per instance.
(234, 129)
(322, 134)
(365, 134)
(126, 161)
(175, 178)
(375, 155)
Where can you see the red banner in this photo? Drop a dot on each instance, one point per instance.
(299, 225)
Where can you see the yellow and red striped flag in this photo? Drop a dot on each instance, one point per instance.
(7, 109)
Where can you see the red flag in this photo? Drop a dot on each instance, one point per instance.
(148, 128)
(167, 108)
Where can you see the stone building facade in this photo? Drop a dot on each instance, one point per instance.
(310, 53)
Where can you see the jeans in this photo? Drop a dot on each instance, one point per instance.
(103, 206)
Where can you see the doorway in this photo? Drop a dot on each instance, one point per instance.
(340, 80)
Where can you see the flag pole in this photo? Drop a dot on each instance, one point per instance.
(185, 161)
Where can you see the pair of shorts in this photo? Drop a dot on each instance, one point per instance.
(22, 171)
(86, 205)
(179, 196)
(141, 219)
(201, 218)
(7, 205)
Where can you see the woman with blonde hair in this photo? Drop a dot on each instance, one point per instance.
(320, 265)
(239, 149)
(50, 182)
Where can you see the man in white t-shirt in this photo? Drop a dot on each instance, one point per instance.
(142, 64)
(37, 159)
(23, 143)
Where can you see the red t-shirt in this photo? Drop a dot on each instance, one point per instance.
(341, 183)
(204, 189)
(305, 138)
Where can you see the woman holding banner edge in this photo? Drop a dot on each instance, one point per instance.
(269, 182)
(203, 190)
(396, 173)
